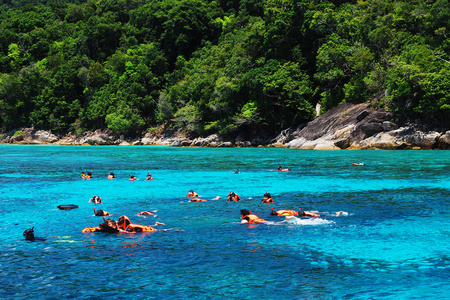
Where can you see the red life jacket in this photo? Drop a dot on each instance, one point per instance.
(125, 222)
(139, 228)
(285, 212)
(267, 201)
(91, 229)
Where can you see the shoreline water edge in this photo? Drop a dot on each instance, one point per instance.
(347, 126)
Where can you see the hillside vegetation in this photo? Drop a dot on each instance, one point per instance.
(249, 67)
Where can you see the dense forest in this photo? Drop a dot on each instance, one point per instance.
(225, 66)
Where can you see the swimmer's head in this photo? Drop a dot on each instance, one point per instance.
(29, 234)
(124, 220)
(245, 212)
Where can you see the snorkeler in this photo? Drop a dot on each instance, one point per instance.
(232, 196)
(109, 225)
(96, 199)
(146, 212)
(126, 225)
(192, 194)
(247, 217)
(111, 175)
(283, 212)
(267, 199)
(101, 213)
(29, 235)
(132, 178)
(308, 213)
(193, 199)
(149, 176)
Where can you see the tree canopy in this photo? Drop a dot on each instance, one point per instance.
(231, 67)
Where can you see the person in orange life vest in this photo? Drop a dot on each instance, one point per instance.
(111, 175)
(125, 224)
(132, 178)
(101, 213)
(267, 198)
(149, 176)
(192, 194)
(283, 212)
(307, 213)
(110, 226)
(146, 212)
(197, 200)
(248, 217)
(233, 197)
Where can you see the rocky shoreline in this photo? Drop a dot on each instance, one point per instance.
(347, 126)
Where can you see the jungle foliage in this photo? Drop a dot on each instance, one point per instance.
(235, 66)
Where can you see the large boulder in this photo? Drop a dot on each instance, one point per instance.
(444, 141)
(30, 136)
(99, 137)
(370, 129)
(297, 143)
(185, 143)
(225, 145)
(423, 140)
(380, 141)
(43, 137)
(335, 119)
(388, 126)
(343, 133)
(342, 143)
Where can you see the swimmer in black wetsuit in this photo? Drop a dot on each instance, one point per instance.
(29, 235)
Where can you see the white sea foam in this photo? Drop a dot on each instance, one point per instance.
(308, 221)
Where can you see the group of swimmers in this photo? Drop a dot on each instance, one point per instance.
(124, 224)
(89, 175)
(248, 217)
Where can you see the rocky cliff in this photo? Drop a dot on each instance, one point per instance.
(347, 126)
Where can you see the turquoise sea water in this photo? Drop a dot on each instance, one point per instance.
(392, 242)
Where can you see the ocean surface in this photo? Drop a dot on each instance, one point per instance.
(391, 241)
